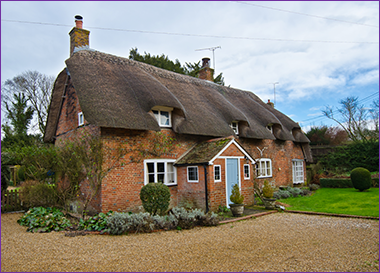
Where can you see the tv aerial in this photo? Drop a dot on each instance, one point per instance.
(213, 54)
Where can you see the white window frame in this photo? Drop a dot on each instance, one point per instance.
(80, 119)
(235, 126)
(249, 172)
(166, 173)
(159, 110)
(265, 173)
(298, 171)
(220, 173)
(188, 178)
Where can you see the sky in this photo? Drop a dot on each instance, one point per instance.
(317, 53)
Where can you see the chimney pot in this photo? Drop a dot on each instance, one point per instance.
(206, 62)
(270, 103)
(78, 21)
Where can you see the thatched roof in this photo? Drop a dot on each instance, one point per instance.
(118, 92)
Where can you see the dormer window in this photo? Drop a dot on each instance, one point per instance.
(163, 116)
(80, 119)
(270, 128)
(234, 126)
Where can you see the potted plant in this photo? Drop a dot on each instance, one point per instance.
(268, 200)
(237, 208)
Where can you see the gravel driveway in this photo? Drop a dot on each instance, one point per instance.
(275, 242)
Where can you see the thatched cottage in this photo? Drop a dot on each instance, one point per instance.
(197, 137)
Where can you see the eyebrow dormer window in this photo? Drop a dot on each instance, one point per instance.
(163, 116)
(234, 126)
(270, 128)
(80, 119)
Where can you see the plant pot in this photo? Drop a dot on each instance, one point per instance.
(237, 209)
(269, 203)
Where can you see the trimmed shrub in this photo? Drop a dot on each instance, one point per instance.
(335, 183)
(361, 179)
(155, 198)
(236, 197)
(38, 194)
(40, 219)
(267, 190)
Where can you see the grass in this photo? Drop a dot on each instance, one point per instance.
(340, 201)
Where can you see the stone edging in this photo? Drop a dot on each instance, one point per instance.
(332, 214)
(247, 217)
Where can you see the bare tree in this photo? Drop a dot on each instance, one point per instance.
(36, 87)
(353, 118)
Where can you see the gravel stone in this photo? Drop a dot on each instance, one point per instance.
(275, 243)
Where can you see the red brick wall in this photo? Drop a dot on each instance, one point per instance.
(281, 154)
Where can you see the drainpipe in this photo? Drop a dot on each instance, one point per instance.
(205, 170)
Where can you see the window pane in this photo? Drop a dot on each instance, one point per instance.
(150, 167)
(160, 167)
(246, 171)
(193, 173)
(217, 173)
(151, 178)
(161, 178)
(164, 118)
(170, 177)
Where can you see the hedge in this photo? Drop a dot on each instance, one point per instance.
(335, 183)
(342, 182)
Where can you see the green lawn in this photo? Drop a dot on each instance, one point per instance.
(341, 201)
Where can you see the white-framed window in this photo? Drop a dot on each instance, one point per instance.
(298, 175)
(160, 171)
(246, 171)
(264, 168)
(192, 174)
(80, 119)
(217, 173)
(163, 115)
(235, 126)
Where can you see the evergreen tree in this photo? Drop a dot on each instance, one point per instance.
(20, 115)
(190, 69)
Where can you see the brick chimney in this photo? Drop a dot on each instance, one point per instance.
(206, 73)
(270, 103)
(79, 37)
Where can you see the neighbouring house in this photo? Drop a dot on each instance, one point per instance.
(197, 137)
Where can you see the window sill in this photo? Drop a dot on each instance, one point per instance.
(264, 177)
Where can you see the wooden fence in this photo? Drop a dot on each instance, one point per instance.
(10, 201)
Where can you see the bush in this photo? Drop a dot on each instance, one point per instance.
(196, 217)
(41, 219)
(267, 190)
(335, 183)
(375, 182)
(361, 179)
(236, 197)
(281, 194)
(155, 198)
(95, 223)
(119, 223)
(313, 187)
(294, 191)
(36, 194)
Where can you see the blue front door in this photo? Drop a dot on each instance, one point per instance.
(232, 177)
